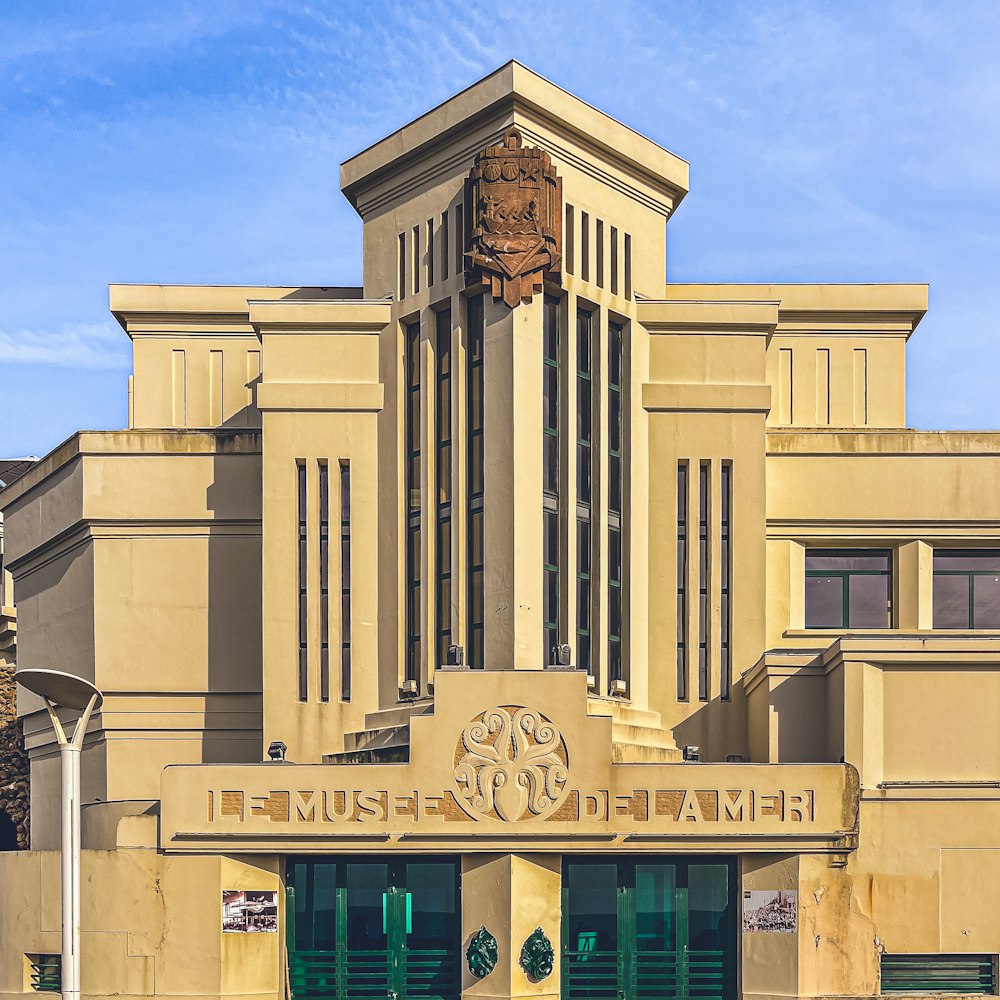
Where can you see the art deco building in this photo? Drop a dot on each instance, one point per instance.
(518, 625)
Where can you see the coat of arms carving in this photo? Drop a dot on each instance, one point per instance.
(514, 201)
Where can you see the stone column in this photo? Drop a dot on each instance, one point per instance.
(513, 470)
(511, 895)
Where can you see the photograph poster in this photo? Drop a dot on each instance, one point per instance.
(772, 911)
(249, 911)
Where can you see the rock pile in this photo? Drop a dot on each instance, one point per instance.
(13, 759)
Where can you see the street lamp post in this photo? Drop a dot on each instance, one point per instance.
(59, 689)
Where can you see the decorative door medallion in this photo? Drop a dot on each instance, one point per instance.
(514, 210)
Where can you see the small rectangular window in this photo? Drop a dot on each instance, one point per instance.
(303, 583)
(345, 580)
(848, 588)
(967, 588)
(962, 973)
(45, 973)
(324, 582)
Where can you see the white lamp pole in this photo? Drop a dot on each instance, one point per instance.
(68, 691)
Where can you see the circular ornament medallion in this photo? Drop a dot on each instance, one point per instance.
(511, 764)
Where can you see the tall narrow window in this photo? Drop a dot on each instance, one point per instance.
(345, 580)
(444, 246)
(324, 582)
(703, 604)
(585, 246)
(430, 252)
(599, 248)
(459, 240)
(628, 267)
(442, 427)
(550, 472)
(584, 486)
(417, 261)
(569, 257)
(303, 566)
(614, 261)
(615, 476)
(401, 255)
(682, 576)
(726, 572)
(476, 481)
(413, 470)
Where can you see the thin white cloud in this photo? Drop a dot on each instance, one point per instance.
(75, 345)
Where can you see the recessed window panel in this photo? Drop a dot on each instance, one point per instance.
(967, 588)
(848, 589)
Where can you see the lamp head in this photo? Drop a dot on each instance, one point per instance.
(66, 690)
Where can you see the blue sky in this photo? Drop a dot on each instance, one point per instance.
(171, 141)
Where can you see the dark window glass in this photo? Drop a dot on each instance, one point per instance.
(303, 581)
(442, 423)
(967, 588)
(848, 588)
(614, 450)
(324, 582)
(584, 406)
(475, 481)
(551, 455)
(583, 592)
(725, 567)
(345, 580)
(682, 573)
(413, 487)
(703, 635)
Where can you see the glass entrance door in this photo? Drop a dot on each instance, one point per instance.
(659, 929)
(371, 929)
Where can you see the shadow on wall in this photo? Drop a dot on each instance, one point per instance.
(234, 701)
(14, 799)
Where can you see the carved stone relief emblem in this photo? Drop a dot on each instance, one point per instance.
(514, 203)
(511, 763)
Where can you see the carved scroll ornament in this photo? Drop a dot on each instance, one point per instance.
(537, 956)
(482, 954)
(515, 220)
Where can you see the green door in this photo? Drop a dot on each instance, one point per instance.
(648, 930)
(368, 929)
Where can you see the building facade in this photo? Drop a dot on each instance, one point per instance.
(517, 624)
